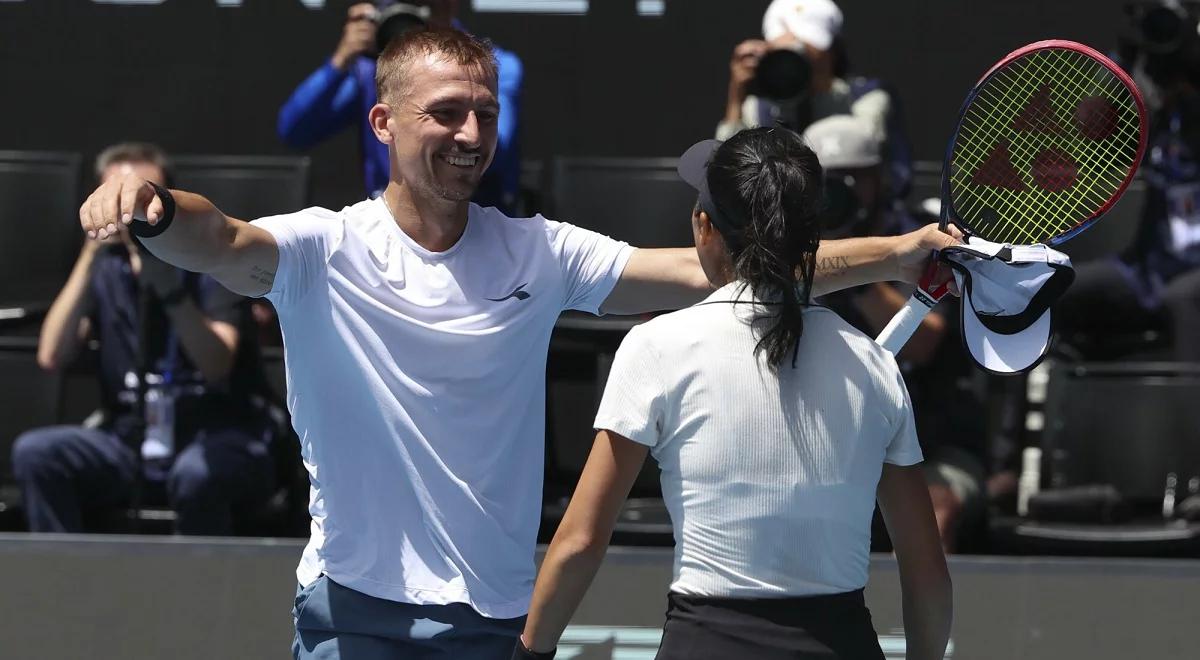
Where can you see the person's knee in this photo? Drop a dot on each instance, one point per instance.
(34, 453)
(190, 480)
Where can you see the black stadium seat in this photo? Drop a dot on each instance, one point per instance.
(39, 214)
(246, 187)
(639, 200)
(1127, 424)
(644, 202)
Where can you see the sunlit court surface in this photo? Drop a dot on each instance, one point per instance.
(608, 329)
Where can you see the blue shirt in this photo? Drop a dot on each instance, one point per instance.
(1166, 244)
(330, 100)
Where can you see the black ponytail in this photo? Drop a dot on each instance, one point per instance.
(770, 183)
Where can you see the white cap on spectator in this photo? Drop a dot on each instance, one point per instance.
(843, 142)
(815, 22)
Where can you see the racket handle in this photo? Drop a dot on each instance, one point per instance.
(905, 322)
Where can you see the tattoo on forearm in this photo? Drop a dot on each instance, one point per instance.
(262, 275)
(833, 265)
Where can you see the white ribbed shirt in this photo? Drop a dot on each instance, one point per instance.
(770, 479)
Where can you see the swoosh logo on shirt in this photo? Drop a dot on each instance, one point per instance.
(517, 293)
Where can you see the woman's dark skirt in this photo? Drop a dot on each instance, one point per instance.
(815, 627)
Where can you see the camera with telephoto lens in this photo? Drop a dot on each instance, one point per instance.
(782, 74)
(395, 18)
(841, 213)
(1162, 37)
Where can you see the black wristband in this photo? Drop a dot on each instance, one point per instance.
(522, 652)
(147, 230)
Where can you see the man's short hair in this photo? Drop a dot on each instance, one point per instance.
(133, 152)
(454, 45)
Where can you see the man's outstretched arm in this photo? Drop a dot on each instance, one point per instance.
(664, 279)
(240, 256)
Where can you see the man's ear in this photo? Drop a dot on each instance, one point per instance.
(378, 116)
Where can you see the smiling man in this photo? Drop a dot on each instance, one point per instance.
(416, 328)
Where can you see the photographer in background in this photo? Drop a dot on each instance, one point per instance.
(797, 74)
(1155, 281)
(935, 367)
(203, 439)
(342, 91)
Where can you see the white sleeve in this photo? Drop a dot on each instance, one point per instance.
(306, 239)
(904, 447)
(591, 264)
(749, 119)
(634, 400)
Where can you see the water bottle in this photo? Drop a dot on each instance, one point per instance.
(159, 444)
(1030, 480)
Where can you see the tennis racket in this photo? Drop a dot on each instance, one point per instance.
(1046, 142)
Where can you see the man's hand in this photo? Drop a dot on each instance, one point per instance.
(742, 68)
(914, 250)
(358, 35)
(118, 201)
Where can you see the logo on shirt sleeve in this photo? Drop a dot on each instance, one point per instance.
(517, 293)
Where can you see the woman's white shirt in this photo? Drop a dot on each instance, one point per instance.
(770, 478)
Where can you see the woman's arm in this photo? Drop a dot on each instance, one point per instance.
(671, 278)
(852, 262)
(582, 538)
(924, 579)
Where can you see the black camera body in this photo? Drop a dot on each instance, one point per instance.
(1161, 37)
(782, 75)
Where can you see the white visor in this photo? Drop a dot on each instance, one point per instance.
(1007, 293)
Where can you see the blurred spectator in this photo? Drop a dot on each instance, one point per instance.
(342, 91)
(1155, 282)
(798, 74)
(203, 441)
(936, 368)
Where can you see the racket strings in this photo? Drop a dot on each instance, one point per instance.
(1035, 127)
(1110, 156)
(1044, 146)
(1033, 124)
(1058, 170)
(1057, 167)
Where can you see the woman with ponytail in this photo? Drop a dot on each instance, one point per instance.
(775, 425)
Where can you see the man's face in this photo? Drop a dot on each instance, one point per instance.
(444, 129)
(853, 202)
(147, 171)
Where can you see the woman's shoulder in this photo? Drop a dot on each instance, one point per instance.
(855, 354)
(831, 334)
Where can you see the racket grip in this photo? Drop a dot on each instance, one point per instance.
(904, 323)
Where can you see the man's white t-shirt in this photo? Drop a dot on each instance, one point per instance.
(416, 384)
(770, 479)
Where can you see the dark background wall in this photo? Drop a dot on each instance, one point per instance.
(199, 78)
